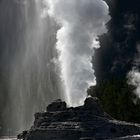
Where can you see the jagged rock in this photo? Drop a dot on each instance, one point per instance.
(93, 104)
(88, 122)
(22, 135)
(57, 105)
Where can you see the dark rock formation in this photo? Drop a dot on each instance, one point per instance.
(88, 122)
(57, 105)
(93, 104)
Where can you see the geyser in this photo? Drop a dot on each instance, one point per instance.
(81, 22)
(28, 45)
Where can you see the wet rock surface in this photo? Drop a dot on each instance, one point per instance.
(87, 122)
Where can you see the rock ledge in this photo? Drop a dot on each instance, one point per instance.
(87, 122)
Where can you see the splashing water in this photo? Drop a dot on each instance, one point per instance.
(81, 21)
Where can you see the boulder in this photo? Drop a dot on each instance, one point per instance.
(57, 105)
(93, 104)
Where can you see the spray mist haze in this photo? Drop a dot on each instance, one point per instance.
(27, 50)
(81, 22)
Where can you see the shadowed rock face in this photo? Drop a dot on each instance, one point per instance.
(57, 105)
(86, 122)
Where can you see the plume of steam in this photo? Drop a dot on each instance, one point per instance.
(134, 75)
(81, 22)
(134, 79)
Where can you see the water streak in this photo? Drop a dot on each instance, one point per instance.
(34, 80)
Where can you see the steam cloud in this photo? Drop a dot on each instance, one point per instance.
(134, 79)
(81, 22)
(134, 74)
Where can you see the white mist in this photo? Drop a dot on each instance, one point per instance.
(34, 80)
(81, 22)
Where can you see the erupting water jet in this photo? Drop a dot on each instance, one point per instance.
(81, 22)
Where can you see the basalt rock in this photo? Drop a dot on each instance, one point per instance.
(87, 122)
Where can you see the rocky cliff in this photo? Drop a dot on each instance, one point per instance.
(87, 122)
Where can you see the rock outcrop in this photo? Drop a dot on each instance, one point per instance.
(87, 122)
(57, 105)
